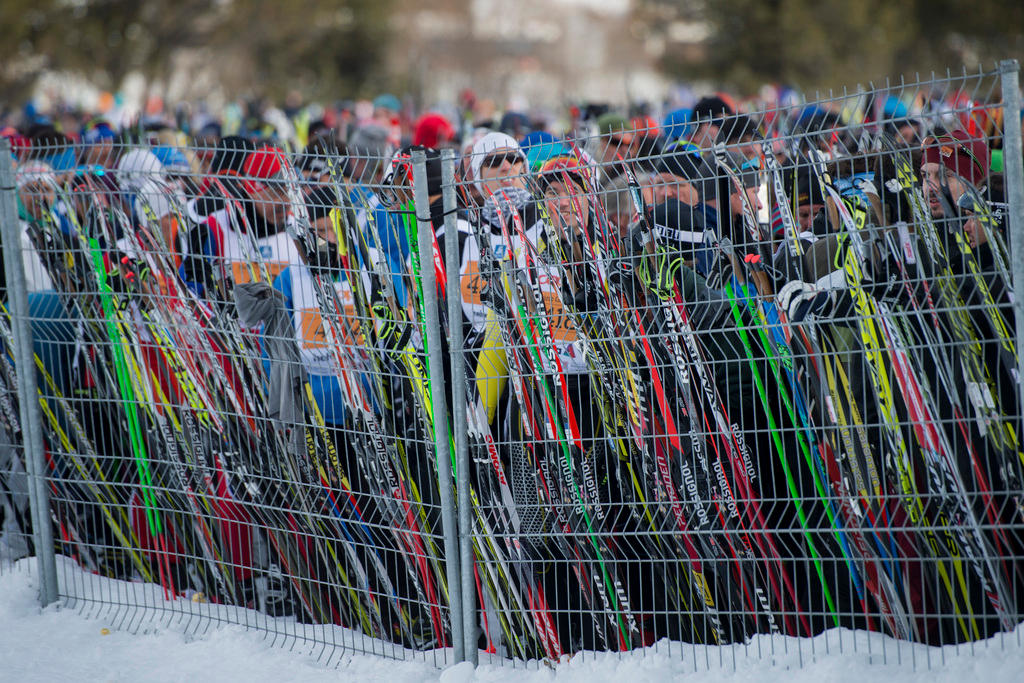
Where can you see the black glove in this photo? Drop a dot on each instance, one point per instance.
(584, 300)
(881, 277)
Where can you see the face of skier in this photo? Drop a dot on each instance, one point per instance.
(934, 177)
(805, 214)
(325, 229)
(736, 201)
(706, 134)
(100, 153)
(665, 186)
(620, 145)
(974, 233)
(271, 203)
(36, 197)
(566, 201)
(364, 171)
(749, 147)
(502, 169)
(908, 132)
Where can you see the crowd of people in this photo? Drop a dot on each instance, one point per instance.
(736, 372)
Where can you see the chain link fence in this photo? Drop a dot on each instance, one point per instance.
(755, 381)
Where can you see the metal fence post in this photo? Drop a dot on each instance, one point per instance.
(28, 395)
(458, 358)
(442, 452)
(1014, 176)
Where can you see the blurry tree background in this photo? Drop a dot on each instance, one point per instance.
(266, 47)
(820, 43)
(347, 48)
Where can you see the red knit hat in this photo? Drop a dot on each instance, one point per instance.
(432, 130)
(264, 163)
(965, 156)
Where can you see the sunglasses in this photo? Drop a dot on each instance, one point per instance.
(496, 160)
(973, 201)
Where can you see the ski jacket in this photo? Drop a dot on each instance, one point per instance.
(232, 247)
(320, 359)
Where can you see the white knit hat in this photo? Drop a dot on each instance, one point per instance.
(136, 167)
(489, 143)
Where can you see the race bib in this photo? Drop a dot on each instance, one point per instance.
(243, 272)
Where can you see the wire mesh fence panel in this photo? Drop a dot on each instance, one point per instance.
(752, 377)
(234, 385)
(758, 379)
(16, 528)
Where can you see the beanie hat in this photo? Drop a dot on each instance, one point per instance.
(489, 143)
(808, 189)
(173, 159)
(683, 161)
(610, 123)
(644, 126)
(514, 123)
(371, 141)
(97, 130)
(136, 167)
(387, 101)
(680, 225)
(230, 153)
(675, 124)
(539, 146)
(557, 168)
(965, 156)
(313, 162)
(535, 138)
(710, 109)
(262, 164)
(538, 155)
(432, 130)
(734, 128)
(35, 172)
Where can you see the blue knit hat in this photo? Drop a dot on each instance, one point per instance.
(387, 101)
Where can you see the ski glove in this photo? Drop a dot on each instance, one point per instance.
(881, 278)
(801, 300)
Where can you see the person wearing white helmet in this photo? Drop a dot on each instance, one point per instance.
(136, 167)
(158, 206)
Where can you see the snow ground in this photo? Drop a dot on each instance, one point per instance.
(60, 643)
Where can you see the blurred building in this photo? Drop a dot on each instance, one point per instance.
(528, 53)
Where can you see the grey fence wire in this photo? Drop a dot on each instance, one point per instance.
(758, 381)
